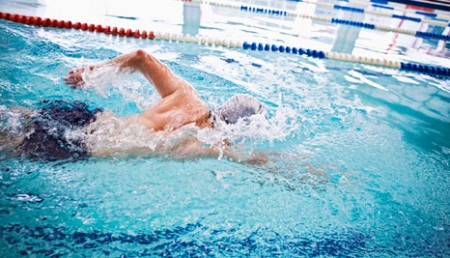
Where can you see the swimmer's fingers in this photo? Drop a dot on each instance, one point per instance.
(77, 85)
(74, 82)
(75, 78)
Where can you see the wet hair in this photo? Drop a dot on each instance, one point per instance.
(237, 107)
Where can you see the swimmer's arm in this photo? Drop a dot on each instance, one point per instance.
(186, 150)
(193, 149)
(159, 74)
(189, 149)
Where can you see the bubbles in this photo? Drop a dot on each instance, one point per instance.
(256, 129)
(13, 121)
(114, 136)
(100, 77)
(108, 80)
(26, 197)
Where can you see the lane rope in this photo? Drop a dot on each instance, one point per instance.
(396, 7)
(442, 23)
(255, 46)
(364, 25)
(279, 12)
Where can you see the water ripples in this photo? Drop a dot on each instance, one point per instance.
(358, 158)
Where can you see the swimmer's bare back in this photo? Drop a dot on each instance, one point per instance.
(179, 105)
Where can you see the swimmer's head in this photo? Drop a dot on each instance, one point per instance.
(238, 107)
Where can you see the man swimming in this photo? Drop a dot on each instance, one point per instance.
(179, 106)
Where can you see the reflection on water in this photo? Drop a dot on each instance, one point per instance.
(358, 155)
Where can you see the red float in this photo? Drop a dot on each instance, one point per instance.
(17, 18)
(26, 19)
(99, 28)
(46, 22)
(32, 20)
(54, 23)
(61, 24)
(129, 33)
(38, 21)
(137, 33)
(121, 32)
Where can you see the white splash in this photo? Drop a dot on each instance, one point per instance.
(107, 79)
(256, 129)
(12, 120)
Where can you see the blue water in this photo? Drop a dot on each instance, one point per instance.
(359, 156)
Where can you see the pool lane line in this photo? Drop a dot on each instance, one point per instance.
(421, 34)
(116, 31)
(405, 66)
(280, 12)
(396, 7)
(255, 46)
(277, 12)
(345, 8)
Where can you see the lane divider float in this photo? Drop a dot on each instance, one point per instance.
(338, 6)
(364, 25)
(263, 9)
(255, 46)
(385, 5)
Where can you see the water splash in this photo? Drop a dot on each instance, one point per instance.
(256, 129)
(13, 125)
(109, 79)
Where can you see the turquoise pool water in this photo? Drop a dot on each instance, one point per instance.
(359, 155)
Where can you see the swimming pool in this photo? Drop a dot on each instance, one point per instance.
(359, 155)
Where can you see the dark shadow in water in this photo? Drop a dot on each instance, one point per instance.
(180, 242)
(199, 240)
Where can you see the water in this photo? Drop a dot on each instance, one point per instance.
(358, 155)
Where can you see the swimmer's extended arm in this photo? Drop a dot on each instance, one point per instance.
(193, 149)
(189, 149)
(165, 81)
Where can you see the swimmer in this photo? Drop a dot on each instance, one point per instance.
(179, 106)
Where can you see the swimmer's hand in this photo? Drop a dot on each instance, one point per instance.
(75, 77)
(192, 148)
(256, 159)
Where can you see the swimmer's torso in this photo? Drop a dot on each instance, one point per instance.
(112, 135)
